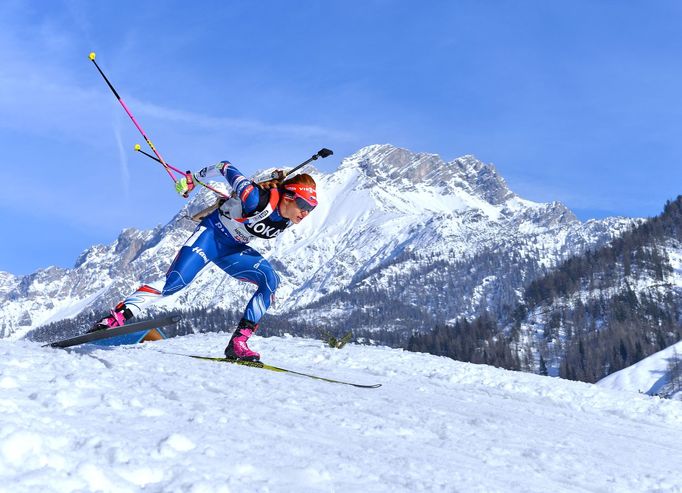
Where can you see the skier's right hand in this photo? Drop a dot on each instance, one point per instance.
(185, 184)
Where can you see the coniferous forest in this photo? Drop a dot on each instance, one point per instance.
(594, 315)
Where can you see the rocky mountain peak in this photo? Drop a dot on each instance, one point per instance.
(483, 179)
(405, 169)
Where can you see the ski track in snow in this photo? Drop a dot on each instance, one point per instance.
(134, 419)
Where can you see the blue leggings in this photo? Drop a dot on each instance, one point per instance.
(207, 244)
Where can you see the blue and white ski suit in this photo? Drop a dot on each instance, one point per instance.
(222, 238)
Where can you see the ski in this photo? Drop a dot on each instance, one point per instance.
(258, 364)
(116, 331)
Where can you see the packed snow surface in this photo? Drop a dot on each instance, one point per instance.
(139, 419)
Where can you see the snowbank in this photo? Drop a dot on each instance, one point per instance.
(649, 376)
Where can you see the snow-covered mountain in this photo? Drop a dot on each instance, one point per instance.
(601, 312)
(404, 238)
(133, 419)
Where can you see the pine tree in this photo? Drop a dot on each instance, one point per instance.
(543, 366)
(675, 372)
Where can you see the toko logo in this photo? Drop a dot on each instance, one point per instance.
(268, 231)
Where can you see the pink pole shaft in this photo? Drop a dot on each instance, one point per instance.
(167, 166)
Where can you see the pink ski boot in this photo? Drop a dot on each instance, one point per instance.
(237, 348)
(116, 318)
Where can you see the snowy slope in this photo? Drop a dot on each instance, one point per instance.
(649, 376)
(136, 419)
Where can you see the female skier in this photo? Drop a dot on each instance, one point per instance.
(254, 211)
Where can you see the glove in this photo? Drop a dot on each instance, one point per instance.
(185, 184)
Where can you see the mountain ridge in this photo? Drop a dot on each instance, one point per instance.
(381, 203)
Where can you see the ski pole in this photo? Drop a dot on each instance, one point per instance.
(323, 153)
(149, 142)
(138, 148)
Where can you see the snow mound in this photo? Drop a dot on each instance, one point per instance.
(649, 376)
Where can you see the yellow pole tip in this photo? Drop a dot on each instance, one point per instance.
(137, 147)
(92, 55)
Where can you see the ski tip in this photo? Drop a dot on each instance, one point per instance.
(138, 147)
(92, 56)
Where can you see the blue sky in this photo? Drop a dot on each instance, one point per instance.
(576, 101)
